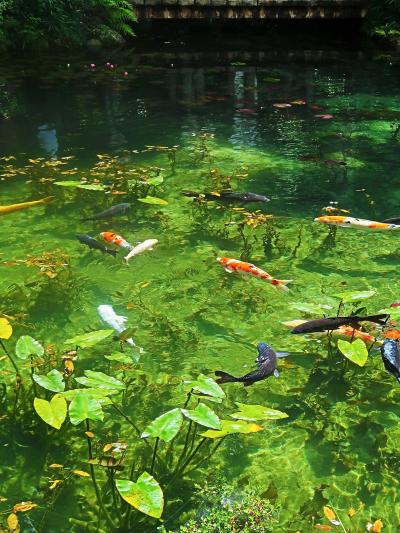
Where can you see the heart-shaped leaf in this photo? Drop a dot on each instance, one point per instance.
(86, 340)
(53, 412)
(27, 346)
(204, 416)
(354, 296)
(53, 381)
(355, 351)
(257, 412)
(165, 426)
(145, 495)
(5, 329)
(84, 406)
(229, 427)
(98, 380)
(206, 385)
(153, 200)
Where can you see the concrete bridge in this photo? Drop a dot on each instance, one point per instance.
(250, 9)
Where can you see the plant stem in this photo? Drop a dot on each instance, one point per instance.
(207, 456)
(102, 509)
(154, 454)
(10, 358)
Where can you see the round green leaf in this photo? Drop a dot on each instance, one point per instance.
(257, 412)
(206, 385)
(90, 339)
(355, 296)
(229, 427)
(84, 406)
(355, 351)
(52, 412)
(153, 200)
(99, 380)
(27, 346)
(204, 416)
(53, 381)
(145, 495)
(165, 426)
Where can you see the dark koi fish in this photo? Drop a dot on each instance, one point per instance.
(95, 245)
(228, 196)
(395, 220)
(266, 366)
(391, 357)
(118, 209)
(329, 324)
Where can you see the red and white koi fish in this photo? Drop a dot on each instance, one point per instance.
(344, 332)
(113, 238)
(356, 223)
(234, 265)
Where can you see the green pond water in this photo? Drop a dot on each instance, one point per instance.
(215, 119)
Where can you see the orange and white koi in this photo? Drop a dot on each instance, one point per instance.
(5, 209)
(113, 238)
(345, 332)
(356, 223)
(234, 265)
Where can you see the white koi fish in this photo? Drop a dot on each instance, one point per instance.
(117, 322)
(145, 245)
(356, 223)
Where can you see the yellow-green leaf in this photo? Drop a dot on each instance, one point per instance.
(5, 329)
(53, 412)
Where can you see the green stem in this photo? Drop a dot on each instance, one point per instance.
(10, 358)
(33, 381)
(213, 451)
(154, 454)
(181, 470)
(102, 509)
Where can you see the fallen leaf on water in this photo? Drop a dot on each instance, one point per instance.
(55, 483)
(323, 527)
(282, 106)
(330, 515)
(56, 465)
(376, 527)
(298, 102)
(13, 523)
(107, 448)
(24, 506)
(81, 473)
(89, 434)
(324, 117)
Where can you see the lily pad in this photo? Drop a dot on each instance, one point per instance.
(27, 346)
(5, 329)
(153, 200)
(52, 381)
(87, 340)
(84, 406)
(204, 416)
(165, 426)
(257, 412)
(145, 495)
(229, 427)
(355, 351)
(206, 385)
(99, 380)
(53, 412)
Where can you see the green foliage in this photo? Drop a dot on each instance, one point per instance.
(355, 351)
(145, 495)
(164, 427)
(65, 23)
(53, 381)
(27, 346)
(88, 340)
(53, 412)
(383, 18)
(83, 407)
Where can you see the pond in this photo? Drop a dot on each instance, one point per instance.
(310, 129)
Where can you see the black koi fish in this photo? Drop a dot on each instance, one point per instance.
(323, 324)
(118, 209)
(395, 220)
(266, 366)
(391, 357)
(228, 196)
(95, 245)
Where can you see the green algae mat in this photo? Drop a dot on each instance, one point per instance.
(110, 423)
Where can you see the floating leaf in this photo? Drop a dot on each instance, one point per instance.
(310, 308)
(99, 380)
(153, 200)
(157, 180)
(13, 523)
(5, 329)
(23, 507)
(204, 416)
(377, 526)
(207, 386)
(56, 465)
(27, 346)
(329, 514)
(229, 427)
(119, 357)
(92, 186)
(84, 406)
(257, 412)
(86, 340)
(354, 296)
(98, 394)
(70, 183)
(53, 381)
(165, 426)
(81, 473)
(54, 484)
(53, 412)
(145, 495)
(355, 351)
(323, 527)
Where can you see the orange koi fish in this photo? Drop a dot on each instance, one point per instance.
(113, 238)
(345, 332)
(356, 223)
(5, 209)
(234, 265)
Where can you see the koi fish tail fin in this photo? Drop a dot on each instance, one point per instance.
(48, 199)
(282, 284)
(224, 377)
(112, 252)
(378, 319)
